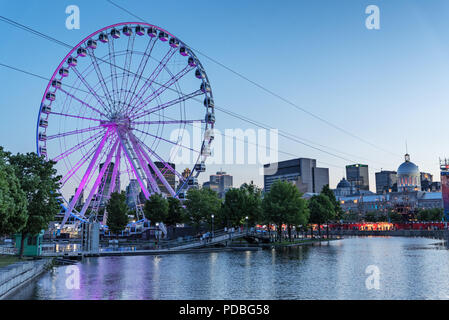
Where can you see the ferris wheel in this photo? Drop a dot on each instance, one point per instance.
(115, 114)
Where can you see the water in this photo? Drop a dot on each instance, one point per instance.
(410, 268)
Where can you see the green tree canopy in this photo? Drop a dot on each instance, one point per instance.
(13, 204)
(337, 208)
(39, 182)
(156, 208)
(283, 205)
(175, 212)
(200, 205)
(321, 210)
(117, 210)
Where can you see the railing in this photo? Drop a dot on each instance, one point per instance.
(8, 250)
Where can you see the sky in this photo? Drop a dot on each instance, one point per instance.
(386, 87)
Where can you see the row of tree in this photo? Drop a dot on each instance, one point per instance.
(28, 194)
(282, 205)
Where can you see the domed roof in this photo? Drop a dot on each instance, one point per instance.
(343, 184)
(408, 168)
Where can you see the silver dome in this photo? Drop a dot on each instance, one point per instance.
(408, 168)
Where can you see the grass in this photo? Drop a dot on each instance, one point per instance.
(6, 260)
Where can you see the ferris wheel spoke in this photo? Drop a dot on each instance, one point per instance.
(163, 87)
(149, 81)
(166, 164)
(78, 165)
(163, 139)
(91, 90)
(74, 116)
(68, 133)
(82, 102)
(114, 81)
(127, 66)
(100, 77)
(170, 122)
(144, 165)
(139, 73)
(99, 178)
(154, 167)
(113, 186)
(85, 177)
(133, 166)
(77, 147)
(167, 104)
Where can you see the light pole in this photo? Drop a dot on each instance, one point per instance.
(246, 224)
(212, 216)
(157, 232)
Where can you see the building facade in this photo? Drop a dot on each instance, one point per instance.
(357, 175)
(386, 181)
(220, 183)
(302, 172)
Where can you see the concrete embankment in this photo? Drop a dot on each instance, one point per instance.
(16, 275)
(435, 234)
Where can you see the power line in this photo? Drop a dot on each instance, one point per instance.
(233, 114)
(270, 91)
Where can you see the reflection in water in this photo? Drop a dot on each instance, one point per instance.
(410, 268)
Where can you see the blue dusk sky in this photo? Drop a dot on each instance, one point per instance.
(384, 86)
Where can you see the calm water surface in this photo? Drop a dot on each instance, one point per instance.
(410, 268)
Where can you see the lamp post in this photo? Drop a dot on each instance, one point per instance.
(157, 232)
(212, 216)
(246, 224)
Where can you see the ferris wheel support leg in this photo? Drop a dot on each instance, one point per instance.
(145, 168)
(154, 167)
(98, 180)
(133, 167)
(113, 182)
(84, 180)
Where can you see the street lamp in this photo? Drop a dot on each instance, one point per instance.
(246, 224)
(157, 232)
(212, 216)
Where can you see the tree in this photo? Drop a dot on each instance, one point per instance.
(283, 204)
(175, 212)
(337, 208)
(117, 210)
(252, 202)
(13, 205)
(39, 182)
(321, 210)
(233, 210)
(156, 208)
(200, 205)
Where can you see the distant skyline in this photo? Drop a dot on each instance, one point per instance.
(384, 86)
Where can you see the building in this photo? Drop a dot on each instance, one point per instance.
(302, 172)
(408, 176)
(344, 188)
(220, 182)
(132, 192)
(79, 203)
(105, 183)
(406, 200)
(426, 181)
(386, 181)
(357, 175)
(168, 175)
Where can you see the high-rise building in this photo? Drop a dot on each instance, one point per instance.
(426, 181)
(386, 181)
(168, 175)
(80, 201)
(220, 182)
(357, 175)
(303, 172)
(105, 183)
(132, 193)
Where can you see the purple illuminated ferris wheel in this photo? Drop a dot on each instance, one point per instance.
(116, 113)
